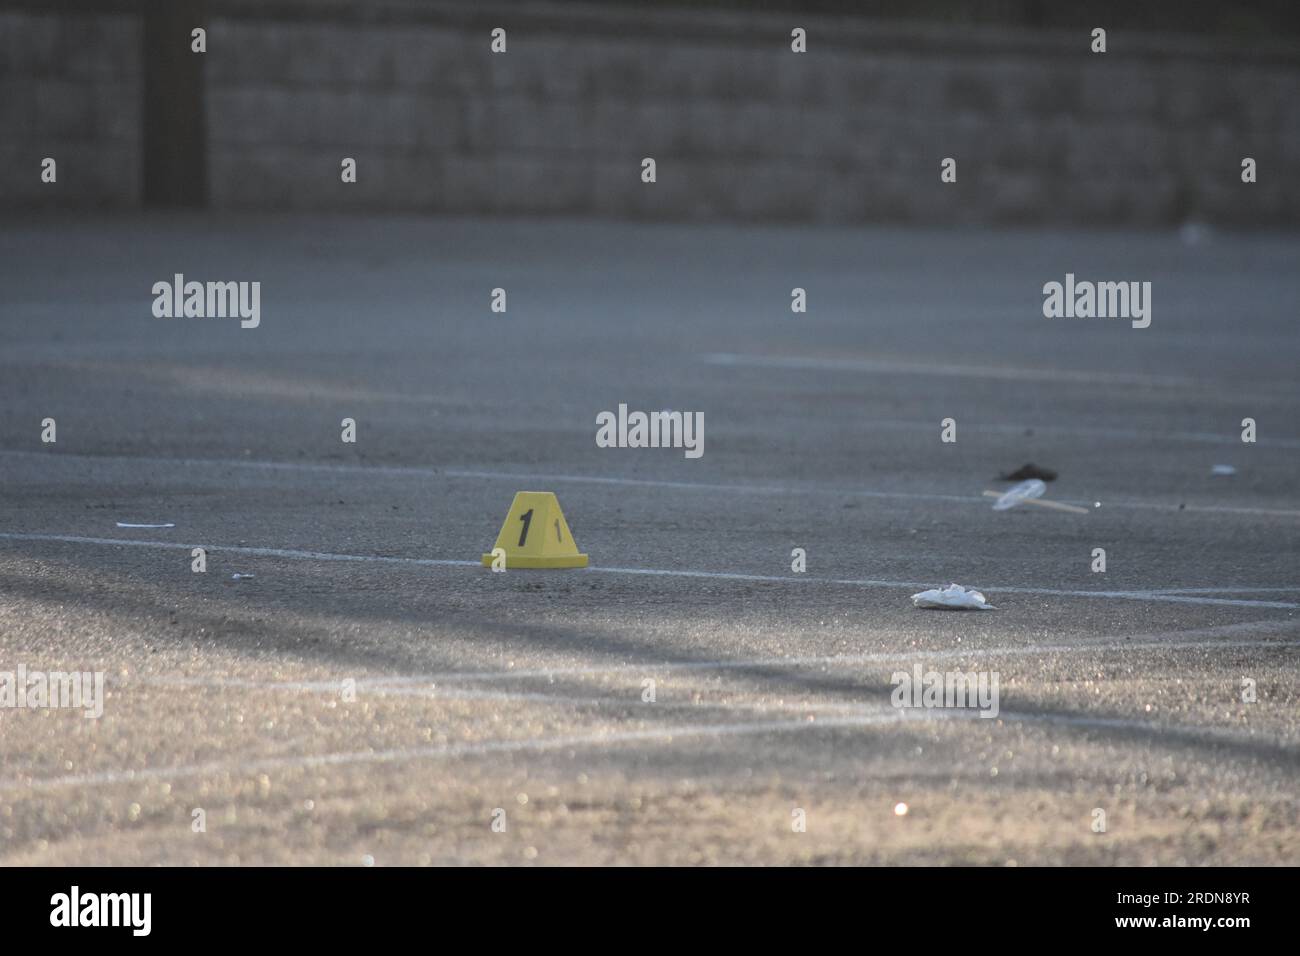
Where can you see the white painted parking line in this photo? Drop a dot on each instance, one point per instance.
(415, 471)
(449, 751)
(989, 589)
(433, 685)
(1227, 590)
(1219, 637)
(894, 365)
(667, 734)
(800, 488)
(799, 580)
(290, 553)
(891, 365)
(1042, 429)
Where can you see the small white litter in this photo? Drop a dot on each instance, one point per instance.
(126, 524)
(953, 597)
(1033, 488)
(240, 577)
(1223, 470)
(1028, 493)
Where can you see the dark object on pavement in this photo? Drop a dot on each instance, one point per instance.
(1025, 472)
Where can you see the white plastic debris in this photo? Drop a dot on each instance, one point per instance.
(1033, 488)
(954, 596)
(126, 524)
(1223, 470)
(1039, 502)
(240, 577)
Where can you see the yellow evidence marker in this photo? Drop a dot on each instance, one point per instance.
(536, 535)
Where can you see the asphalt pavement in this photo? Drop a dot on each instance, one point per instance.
(366, 693)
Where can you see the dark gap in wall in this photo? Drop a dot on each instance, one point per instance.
(174, 136)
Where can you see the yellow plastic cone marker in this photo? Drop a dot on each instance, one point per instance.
(536, 535)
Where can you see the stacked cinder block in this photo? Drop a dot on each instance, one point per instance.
(70, 88)
(1044, 131)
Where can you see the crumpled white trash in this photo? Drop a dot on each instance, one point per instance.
(953, 597)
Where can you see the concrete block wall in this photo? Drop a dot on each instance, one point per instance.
(70, 89)
(742, 128)
(1044, 131)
